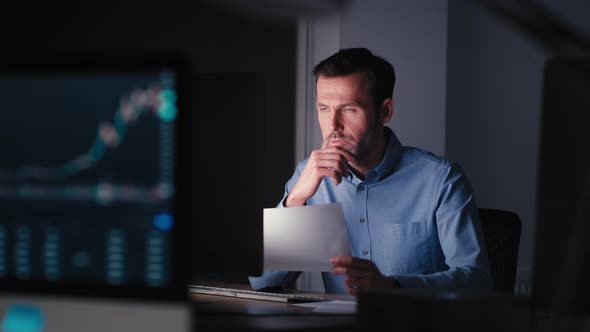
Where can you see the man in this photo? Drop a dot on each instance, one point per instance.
(411, 216)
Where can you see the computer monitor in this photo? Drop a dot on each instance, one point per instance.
(562, 242)
(88, 180)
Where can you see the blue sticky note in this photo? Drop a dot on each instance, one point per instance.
(23, 318)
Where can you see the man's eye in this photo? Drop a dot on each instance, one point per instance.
(349, 109)
(322, 109)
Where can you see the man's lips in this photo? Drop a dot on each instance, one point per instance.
(337, 142)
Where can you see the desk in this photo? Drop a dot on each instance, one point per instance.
(410, 310)
(220, 313)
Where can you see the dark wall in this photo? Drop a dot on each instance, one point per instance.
(494, 101)
(236, 43)
(493, 109)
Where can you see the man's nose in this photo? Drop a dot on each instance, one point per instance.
(335, 121)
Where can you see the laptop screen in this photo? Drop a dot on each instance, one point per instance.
(87, 175)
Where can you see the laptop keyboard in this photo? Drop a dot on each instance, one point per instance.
(255, 295)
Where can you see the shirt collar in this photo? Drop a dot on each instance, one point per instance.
(393, 153)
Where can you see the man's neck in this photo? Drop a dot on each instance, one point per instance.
(372, 160)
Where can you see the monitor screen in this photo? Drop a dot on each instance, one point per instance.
(88, 175)
(562, 249)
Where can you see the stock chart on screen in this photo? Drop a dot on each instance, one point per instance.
(87, 164)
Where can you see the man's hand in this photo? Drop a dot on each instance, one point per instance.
(332, 162)
(361, 273)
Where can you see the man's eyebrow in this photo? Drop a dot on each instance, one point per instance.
(341, 105)
(349, 104)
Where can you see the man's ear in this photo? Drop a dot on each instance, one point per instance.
(387, 110)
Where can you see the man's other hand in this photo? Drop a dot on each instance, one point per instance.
(361, 273)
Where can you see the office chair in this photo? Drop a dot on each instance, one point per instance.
(502, 236)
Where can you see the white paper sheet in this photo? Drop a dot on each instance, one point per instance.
(304, 238)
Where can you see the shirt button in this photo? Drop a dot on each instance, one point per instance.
(362, 220)
(365, 252)
(361, 187)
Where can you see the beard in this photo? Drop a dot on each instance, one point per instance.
(361, 149)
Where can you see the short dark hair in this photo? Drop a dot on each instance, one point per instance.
(353, 60)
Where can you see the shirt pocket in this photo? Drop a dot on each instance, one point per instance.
(402, 248)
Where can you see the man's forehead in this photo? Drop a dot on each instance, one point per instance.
(355, 86)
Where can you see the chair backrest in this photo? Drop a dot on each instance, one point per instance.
(502, 236)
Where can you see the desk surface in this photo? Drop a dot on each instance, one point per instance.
(462, 312)
(221, 313)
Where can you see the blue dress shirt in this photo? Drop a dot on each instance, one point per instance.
(414, 216)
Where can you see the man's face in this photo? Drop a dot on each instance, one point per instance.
(347, 115)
